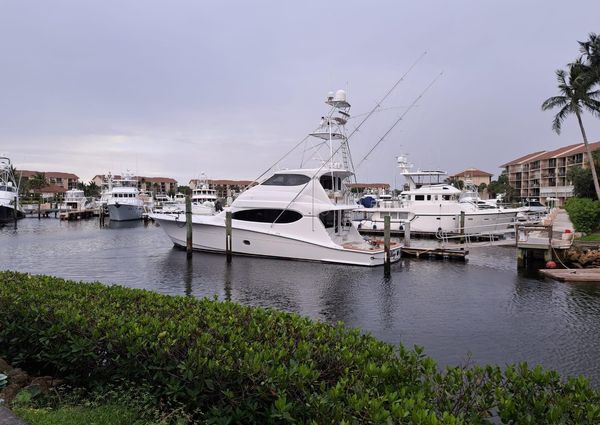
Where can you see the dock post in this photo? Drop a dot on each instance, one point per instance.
(407, 233)
(228, 235)
(39, 209)
(521, 254)
(15, 211)
(188, 222)
(386, 245)
(462, 228)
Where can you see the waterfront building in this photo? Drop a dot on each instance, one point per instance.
(156, 185)
(474, 176)
(66, 181)
(542, 175)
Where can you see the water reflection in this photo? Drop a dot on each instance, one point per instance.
(484, 306)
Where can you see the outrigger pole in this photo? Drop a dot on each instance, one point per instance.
(377, 106)
(412, 105)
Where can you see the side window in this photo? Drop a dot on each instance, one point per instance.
(419, 197)
(267, 216)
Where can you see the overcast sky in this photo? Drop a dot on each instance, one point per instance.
(176, 88)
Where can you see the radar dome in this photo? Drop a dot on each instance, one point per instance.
(340, 96)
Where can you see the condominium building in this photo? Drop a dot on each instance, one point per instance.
(53, 178)
(543, 174)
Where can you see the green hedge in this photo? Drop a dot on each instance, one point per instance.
(584, 213)
(226, 363)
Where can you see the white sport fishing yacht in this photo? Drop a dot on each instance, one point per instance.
(125, 202)
(435, 207)
(9, 194)
(299, 214)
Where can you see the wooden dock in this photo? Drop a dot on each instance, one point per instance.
(77, 215)
(573, 275)
(437, 253)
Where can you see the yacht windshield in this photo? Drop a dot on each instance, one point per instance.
(286, 180)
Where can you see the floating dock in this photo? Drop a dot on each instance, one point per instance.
(573, 275)
(437, 252)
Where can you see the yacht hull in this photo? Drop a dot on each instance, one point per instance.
(124, 212)
(475, 223)
(7, 214)
(210, 237)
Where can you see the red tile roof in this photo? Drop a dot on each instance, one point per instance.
(472, 172)
(556, 153)
(51, 189)
(523, 159)
(49, 174)
(156, 179)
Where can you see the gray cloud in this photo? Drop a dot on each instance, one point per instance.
(182, 87)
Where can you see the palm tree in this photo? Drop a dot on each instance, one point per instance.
(38, 181)
(575, 97)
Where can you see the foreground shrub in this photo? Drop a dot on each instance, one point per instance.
(225, 363)
(584, 213)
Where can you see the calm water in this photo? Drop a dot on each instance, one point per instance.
(481, 311)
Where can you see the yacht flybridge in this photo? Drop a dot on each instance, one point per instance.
(300, 214)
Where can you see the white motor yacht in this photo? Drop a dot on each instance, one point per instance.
(9, 194)
(204, 199)
(300, 214)
(125, 203)
(436, 208)
(75, 200)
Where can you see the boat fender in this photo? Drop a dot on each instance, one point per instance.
(401, 227)
(374, 227)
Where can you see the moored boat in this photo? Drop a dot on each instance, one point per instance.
(9, 194)
(299, 214)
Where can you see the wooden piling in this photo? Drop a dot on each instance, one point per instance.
(39, 209)
(188, 222)
(15, 212)
(386, 245)
(228, 235)
(407, 233)
(462, 227)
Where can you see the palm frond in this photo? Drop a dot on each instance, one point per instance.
(560, 117)
(553, 102)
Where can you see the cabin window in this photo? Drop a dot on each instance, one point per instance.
(286, 180)
(327, 218)
(446, 197)
(429, 197)
(330, 183)
(267, 215)
(419, 197)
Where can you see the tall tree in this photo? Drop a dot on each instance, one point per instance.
(575, 97)
(38, 181)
